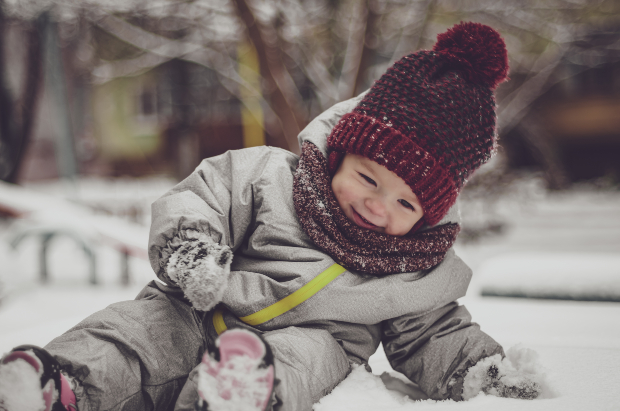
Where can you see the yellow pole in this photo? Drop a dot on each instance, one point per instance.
(251, 110)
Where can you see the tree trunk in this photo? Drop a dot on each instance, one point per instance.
(357, 27)
(539, 141)
(369, 40)
(9, 145)
(17, 119)
(184, 141)
(272, 71)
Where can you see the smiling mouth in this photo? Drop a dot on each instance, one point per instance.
(365, 222)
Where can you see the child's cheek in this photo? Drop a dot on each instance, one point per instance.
(347, 193)
(341, 192)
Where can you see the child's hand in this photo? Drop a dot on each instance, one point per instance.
(498, 377)
(201, 269)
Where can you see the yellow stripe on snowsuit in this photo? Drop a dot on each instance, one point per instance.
(287, 303)
(291, 301)
(218, 321)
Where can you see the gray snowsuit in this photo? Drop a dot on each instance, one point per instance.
(317, 317)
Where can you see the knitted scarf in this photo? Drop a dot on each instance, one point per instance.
(354, 247)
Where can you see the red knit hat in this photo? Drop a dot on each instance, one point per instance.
(431, 117)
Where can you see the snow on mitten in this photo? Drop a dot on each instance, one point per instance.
(31, 380)
(201, 268)
(515, 376)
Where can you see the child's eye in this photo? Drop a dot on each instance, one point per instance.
(370, 180)
(406, 204)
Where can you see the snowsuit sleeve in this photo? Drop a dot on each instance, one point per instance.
(215, 201)
(435, 350)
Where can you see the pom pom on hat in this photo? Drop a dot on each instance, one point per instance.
(477, 50)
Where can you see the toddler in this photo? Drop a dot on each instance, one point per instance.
(288, 270)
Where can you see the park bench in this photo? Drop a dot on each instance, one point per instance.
(46, 217)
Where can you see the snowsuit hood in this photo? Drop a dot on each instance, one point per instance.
(317, 131)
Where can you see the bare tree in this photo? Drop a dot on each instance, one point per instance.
(17, 111)
(315, 53)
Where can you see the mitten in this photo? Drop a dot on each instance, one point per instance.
(500, 377)
(201, 269)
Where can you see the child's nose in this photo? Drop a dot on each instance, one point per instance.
(376, 206)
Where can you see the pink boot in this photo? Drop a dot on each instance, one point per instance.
(31, 380)
(239, 376)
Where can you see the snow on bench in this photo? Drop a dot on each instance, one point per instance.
(45, 216)
(556, 276)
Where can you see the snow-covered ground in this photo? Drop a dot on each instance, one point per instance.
(571, 238)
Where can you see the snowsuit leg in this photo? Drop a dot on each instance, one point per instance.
(309, 364)
(133, 355)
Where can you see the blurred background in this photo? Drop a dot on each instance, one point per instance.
(105, 105)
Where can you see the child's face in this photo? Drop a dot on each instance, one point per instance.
(375, 198)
